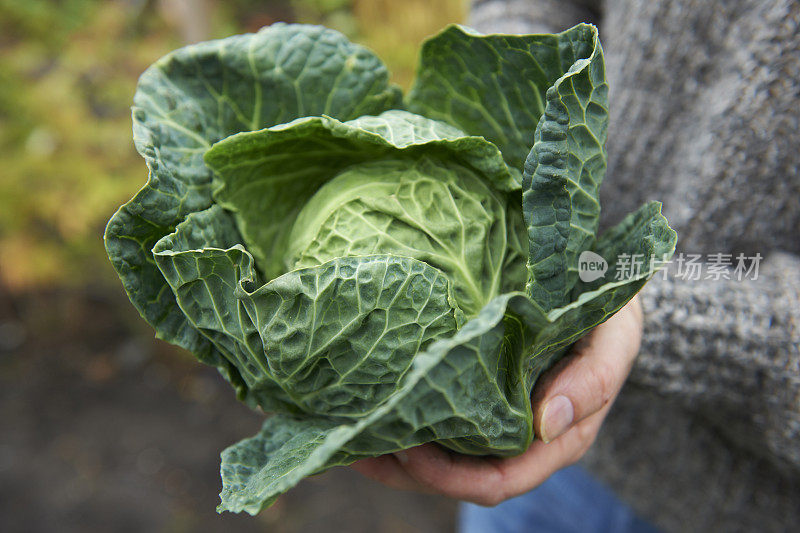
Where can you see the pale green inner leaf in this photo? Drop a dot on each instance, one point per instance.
(432, 210)
(266, 177)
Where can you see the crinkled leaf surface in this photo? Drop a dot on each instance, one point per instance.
(495, 85)
(433, 210)
(296, 341)
(202, 93)
(331, 339)
(358, 269)
(266, 177)
(469, 392)
(542, 99)
(515, 272)
(564, 169)
(638, 244)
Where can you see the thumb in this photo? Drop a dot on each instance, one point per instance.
(590, 377)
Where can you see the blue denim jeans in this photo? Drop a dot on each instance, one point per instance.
(571, 501)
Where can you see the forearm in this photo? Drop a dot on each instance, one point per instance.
(730, 350)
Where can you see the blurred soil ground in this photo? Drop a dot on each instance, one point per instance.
(103, 428)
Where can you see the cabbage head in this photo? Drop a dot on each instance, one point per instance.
(376, 271)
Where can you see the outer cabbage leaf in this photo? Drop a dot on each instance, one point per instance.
(266, 177)
(332, 339)
(460, 388)
(542, 99)
(469, 392)
(641, 242)
(495, 85)
(564, 169)
(199, 94)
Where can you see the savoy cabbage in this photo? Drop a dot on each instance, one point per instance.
(378, 271)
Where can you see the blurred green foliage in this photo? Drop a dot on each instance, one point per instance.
(393, 29)
(67, 74)
(68, 71)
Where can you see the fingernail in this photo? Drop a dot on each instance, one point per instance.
(402, 457)
(556, 417)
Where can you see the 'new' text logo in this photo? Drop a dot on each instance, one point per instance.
(591, 266)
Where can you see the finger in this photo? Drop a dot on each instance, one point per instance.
(591, 377)
(482, 480)
(387, 470)
(489, 481)
(529, 470)
(458, 476)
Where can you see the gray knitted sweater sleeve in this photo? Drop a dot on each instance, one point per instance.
(705, 117)
(730, 351)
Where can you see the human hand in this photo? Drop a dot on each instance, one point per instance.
(570, 402)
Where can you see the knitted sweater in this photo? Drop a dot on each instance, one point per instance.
(705, 116)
